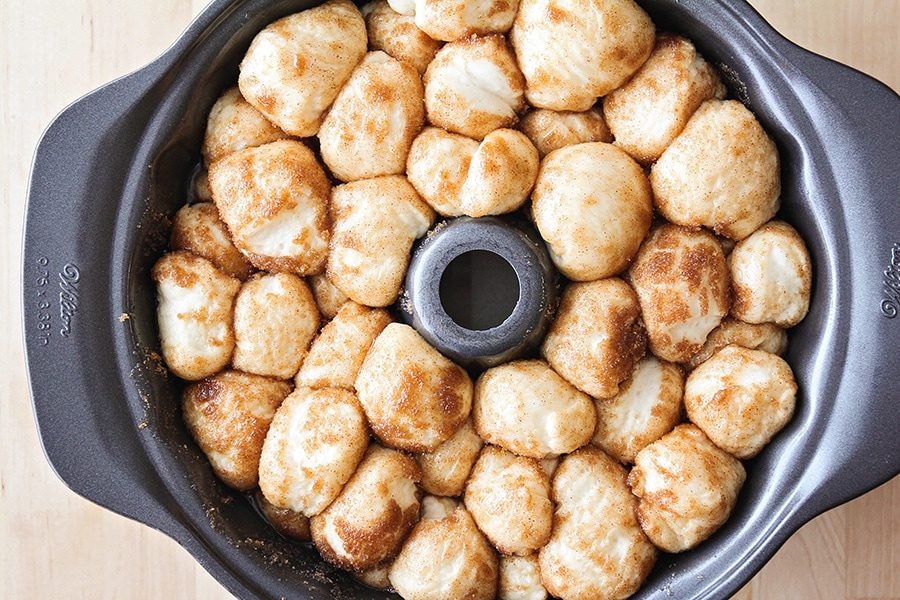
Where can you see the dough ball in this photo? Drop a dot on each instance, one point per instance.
(721, 172)
(597, 549)
(573, 52)
(687, 486)
(526, 408)
(296, 66)
(198, 228)
(651, 109)
(474, 86)
(195, 312)
(593, 206)
(314, 445)
(597, 336)
(200, 186)
(444, 558)
(764, 336)
(520, 578)
(404, 7)
(328, 297)
(274, 199)
(376, 116)
(290, 524)
(372, 516)
(375, 577)
(399, 36)
(376, 222)
(741, 398)
(275, 319)
(509, 498)
(234, 124)
(682, 280)
(648, 406)
(414, 397)
(337, 353)
(772, 276)
(458, 176)
(228, 415)
(446, 469)
(551, 130)
(450, 20)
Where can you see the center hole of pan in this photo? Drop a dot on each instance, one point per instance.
(479, 290)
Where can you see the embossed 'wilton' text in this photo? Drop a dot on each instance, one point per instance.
(890, 306)
(68, 297)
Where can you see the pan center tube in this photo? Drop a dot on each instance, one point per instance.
(481, 291)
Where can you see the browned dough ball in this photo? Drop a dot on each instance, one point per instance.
(509, 498)
(593, 206)
(368, 521)
(274, 200)
(398, 35)
(597, 336)
(446, 557)
(651, 109)
(721, 172)
(741, 398)
(198, 228)
(291, 524)
(446, 469)
(551, 130)
(195, 313)
(234, 124)
(764, 336)
(687, 486)
(648, 406)
(682, 280)
(296, 66)
(414, 397)
(228, 415)
(573, 52)
(450, 20)
(772, 276)
(597, 549)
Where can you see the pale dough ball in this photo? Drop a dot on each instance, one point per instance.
(374, 119)
(234, 124)
(414, 397)
(721, 172)
(296, 66)
(444, 558)
(551, 130)
(274, 199)
(195, 310)
(375, 223)
(682, 280)
(275, 319)
(509, 498)
(764, 336)
(597, 549)
(527, 408)
(648, 406)
(314, 445)
(399, 36)
(459, 176)
(597, 336)
(329, 298)
(404, 7)
(291, 524)
(741, 398)
(228, 415)
(375, 577)
(474, 86)
(200, 186)
(198, 228)
(593, 206)
(687, 486)
(520, 578)
(772, 276)
(574, 51)
(450, 20)
(446, 469)
(369, 520)
(651, 109)
(337, 353)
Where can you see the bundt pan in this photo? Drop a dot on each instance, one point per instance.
(113, 168)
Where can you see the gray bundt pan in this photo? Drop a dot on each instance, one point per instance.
(113, 167)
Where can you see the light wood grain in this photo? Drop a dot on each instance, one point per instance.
(53, 544)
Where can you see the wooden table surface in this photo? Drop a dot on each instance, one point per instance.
(53, 544)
